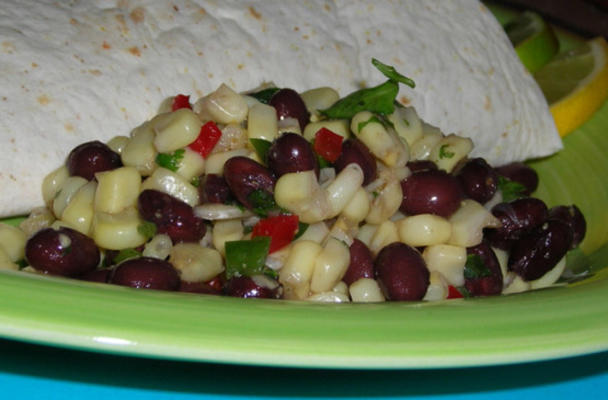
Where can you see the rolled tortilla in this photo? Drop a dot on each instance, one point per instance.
(77, 71)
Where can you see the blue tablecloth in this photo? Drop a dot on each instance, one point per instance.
(38, 372)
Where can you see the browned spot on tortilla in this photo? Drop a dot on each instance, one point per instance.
(327, 7)
(240, 66)
(135, 51)
(12, 177)
(137, 15)
(338, 46)
(34, 65)
(296, 28)
(4, 98)
(491, 71)
(487, 105)
(106, 45)
(8, 47)
(12, 140)
(404, 100)
(210, 75)
(254, 13)
(176, 8)
(68, 127)
(305, 37)
(504, 134)
(199, 53)
(95, 72)
(368, 41)
(122, 22)
(43, 100)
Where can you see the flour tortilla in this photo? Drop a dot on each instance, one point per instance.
(77, 71)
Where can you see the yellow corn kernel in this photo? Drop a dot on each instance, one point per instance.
(117, 231)
(407, 124)
(449, 151)
(196, 263)
(421, 149)
(298, 269)
(383, 144)
(366, 290)
(366, 232)
(117, 189)
(12, 242)
(342, 189)
(191, 165)
(437, 289)
(448, 260)
(79, 212)
(358, 207)
(316, 232)
(424, 230)
(329, 297)
(319, 99)
(224, 105)
(68, 189)
(300, 193)
(468, 223)
(6, 263)
(140, 152)
(225, 231)
(385, 202)
(330, 266)
(262, 122)
(118, 143)
(39, 218)
(175, 130)
(52, 183)
(383, 236)
(173, 184)
(158, 247)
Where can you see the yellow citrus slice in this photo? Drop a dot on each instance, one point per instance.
(534, 40)
(575, 84)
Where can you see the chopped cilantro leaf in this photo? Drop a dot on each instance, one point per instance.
(362, 124)
(510, 190)
(262, 202)
(392, 74)
(264, 95)
(170, 161)
(323, 163)
(147, 229)
(261, 147)
(126, 254)
(474, 268)
(302, 227)
(195, 181)
(246, 257)
(464, 292)
(377, 99)
(444, 152)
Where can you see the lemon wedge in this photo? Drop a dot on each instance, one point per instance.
(575, 84)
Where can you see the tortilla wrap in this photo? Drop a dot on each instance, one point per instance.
(71, 72)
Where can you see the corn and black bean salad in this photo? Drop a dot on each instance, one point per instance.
(308, 196)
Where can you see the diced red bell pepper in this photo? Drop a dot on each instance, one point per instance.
(328, 144)
(281, 229)
(181, 101)
(454, 293)
(207, 139)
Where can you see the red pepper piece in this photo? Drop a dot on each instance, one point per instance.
(328, 144)
(207, 139)
(281, 229)
(181, 101)
(454, 293)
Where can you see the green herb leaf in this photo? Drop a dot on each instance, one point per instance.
(147, 229)
(126, 254)
(378, 99)
(392, 74)
(246, 257)
(261, 147)
(464, 292)
(170, 161)
(264, 96)
(373, 118)
(510, 190)
(474, 268)
(22, 263)
(271, 273)
(406, 122)
(323, 163)
(262, 202)
(444, 153)
(302, 227)
(195, 181)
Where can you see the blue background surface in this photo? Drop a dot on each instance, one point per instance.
(32, 371)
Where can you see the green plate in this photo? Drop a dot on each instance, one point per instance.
(551, 323)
